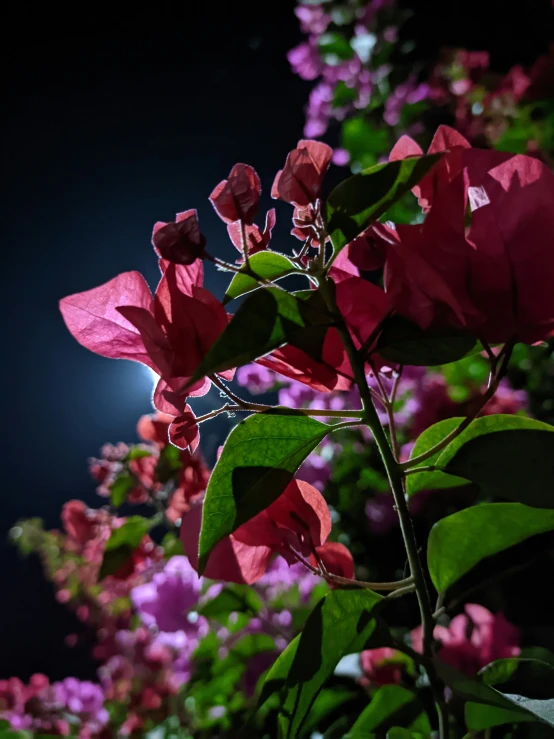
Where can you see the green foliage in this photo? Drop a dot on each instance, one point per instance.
(360, 200)
(403, 342)
(234, 598)
(123, 542)
(390, 706)
(265, 266)
(257, 463)
(460, 541)
(267, 319)
(512, 690)
(169, 463)
(342, 623)
(435, 479)
(172, 545)
(364, 141)
(121, 487)
(497, 453)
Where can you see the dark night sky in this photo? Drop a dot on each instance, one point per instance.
(110, 124)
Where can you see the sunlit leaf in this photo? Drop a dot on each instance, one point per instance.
(425, 441)
(359, 201)
(267, 265)
(341, 623)
(267, 319)
(507, 457)
(460, 541)
(391, 706)
(257, 463)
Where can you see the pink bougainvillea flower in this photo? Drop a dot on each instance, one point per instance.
(335, 557)
(170, 332)
(299, 182)
(381, 666)
(446, 139)
(256, 239)
(237, 198)
(184, 432)
(473, 639)
(482, 260)
(298, 522)
(154, 427)
(179, 241)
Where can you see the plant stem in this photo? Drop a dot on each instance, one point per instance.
(396, 481)
(245, 405)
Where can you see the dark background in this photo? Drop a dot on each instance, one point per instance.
(113, 119)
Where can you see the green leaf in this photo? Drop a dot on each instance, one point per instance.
(398, 732)
(268, 318)
(480, 716)
(169, 463)
(425, 441)
(507, 457)
(364, 141)
(123, 542)
(460, 541)
(267, 265)
(257, 463)
(527, 684)
(485, 705)
(341, 623)
(514, 674)
(360, 200)
(172, 545)
(403, 342)
(234, 598)
(120, 487)
(137, 452)
(391, 706)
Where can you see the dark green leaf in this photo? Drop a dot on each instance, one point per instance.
(398, 732)
(120, 487)
(531, 677)
(460, 541)
(328, 703)
(169, 463)
(267, 265)
(123, 542)
(482, 695)
(341, 623)
(172, 545)
(234, 598)
(364, 141)
(391, 706)
(480, 716)
(527, 684)
(362, 199)
(267, 319)
(257, 463)
(403, 342)
(425, 441)
(507, 456)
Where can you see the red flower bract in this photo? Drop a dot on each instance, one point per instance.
(237, 198)
(256, 239)
(180, 241)
(298, 521)
(300, 180)
(483, 259)
(170, 332)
